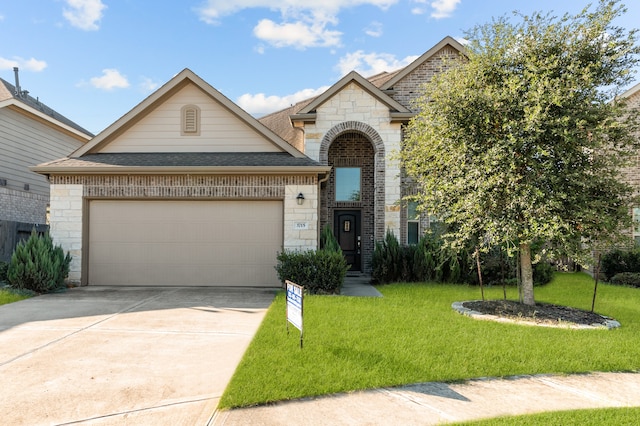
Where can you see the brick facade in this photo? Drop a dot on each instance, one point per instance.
(409, 88)
(22, 206)
(352, 149)
(68, 195)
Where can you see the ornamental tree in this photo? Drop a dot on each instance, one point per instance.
(521, 141)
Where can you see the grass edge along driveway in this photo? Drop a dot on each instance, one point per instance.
(413, 335)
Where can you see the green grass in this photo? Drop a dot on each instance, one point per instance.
(599, 417)
(413, 335)
(8, 296)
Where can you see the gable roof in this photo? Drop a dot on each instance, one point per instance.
(631, 91)
(280, 121)
(397, 110)
(182, 79)
(400, 74)
(90, 160)
(183, 162)
(26, 104)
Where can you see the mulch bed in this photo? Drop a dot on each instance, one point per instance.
(540, 313)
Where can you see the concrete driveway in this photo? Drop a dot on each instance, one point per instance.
(107, 355)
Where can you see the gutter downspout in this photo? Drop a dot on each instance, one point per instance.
(320, 182)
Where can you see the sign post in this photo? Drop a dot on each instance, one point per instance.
(295, 296)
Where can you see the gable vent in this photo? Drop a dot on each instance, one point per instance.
(190, 120)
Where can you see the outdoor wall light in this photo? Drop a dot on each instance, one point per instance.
(300, 199)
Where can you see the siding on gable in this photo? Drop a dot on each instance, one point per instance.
(220, 131)
(25, 142)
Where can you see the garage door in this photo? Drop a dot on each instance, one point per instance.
(184, 243)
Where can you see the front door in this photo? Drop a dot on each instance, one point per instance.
(347, 232)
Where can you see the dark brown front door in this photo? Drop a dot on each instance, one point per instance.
(347, 231)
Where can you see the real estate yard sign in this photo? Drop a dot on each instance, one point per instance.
(294, 306)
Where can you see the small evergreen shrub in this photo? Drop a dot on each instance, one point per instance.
(319, 271)
(328, 241)
(38, 265)
(386, 262)
(4, 266)
(626, 278)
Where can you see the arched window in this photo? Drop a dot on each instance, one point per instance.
(190, 120)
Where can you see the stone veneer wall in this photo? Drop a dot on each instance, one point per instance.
(69, 192)
(23, 206)
(354, 109)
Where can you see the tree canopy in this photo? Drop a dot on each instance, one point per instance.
(521, 140)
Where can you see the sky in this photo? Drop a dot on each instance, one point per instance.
(94, 60)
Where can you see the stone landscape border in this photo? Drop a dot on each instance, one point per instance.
(458, 307)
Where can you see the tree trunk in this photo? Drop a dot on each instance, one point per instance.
(479, 272)
(595, 287)
(527, 275)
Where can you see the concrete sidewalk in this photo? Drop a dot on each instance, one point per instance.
(118, 356)
(441, 403)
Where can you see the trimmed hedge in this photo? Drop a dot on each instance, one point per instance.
(618, 261)
(318, 271)
(631, 279)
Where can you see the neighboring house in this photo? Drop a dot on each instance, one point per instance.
(355, 127)
(189, 189)
(185, 189)
(30, 133)
(632, 174)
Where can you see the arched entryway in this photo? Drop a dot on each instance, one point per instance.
(352, 199)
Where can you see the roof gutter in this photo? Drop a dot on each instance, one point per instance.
(179, 170)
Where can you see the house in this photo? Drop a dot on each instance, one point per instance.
(632, 174)
(30, 133)
(185, 189)
(189, 189)
(355, 127)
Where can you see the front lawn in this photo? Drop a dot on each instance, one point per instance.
(8, 296)
(413, 335)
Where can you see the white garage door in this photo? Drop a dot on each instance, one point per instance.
(184, 243)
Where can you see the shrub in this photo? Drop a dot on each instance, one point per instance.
(319, 271)
(542, 273)
(386, 262)
(328, 240)
(626, 278)
(37, 265)
(4, 266)
(617, 261)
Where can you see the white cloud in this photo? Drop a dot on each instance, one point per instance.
(369, 64)
(84, 14)
(24, 64)
(439, 8)
(296, 34)
(374, 29)
(263, 104)
(148, 85)
(443, 8)
(304, 23)
(109, 80)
